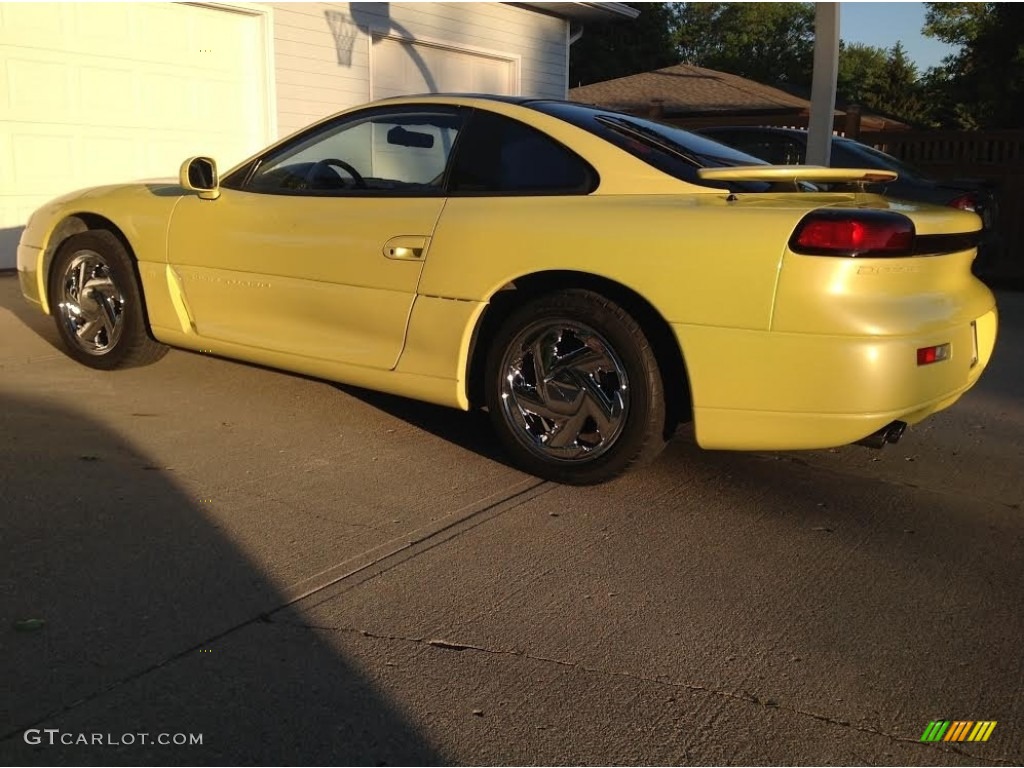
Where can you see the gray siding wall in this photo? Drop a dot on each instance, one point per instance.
(322, 60)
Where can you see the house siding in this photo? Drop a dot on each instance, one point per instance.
(319, 72)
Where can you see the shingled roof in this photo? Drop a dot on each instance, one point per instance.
(689, 90)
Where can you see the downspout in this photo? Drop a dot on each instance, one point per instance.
(577, 34)
(573, 32)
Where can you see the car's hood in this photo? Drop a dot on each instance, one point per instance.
(156, 186)
(160, 187)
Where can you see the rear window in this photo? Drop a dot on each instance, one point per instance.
(671, 150)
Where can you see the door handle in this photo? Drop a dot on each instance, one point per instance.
(401, 252)
(406, 247)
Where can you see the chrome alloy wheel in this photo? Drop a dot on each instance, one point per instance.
(91, 304)
(564, 390)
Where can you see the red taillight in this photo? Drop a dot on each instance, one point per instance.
(854, 233)
(968, 202)
(929, 355)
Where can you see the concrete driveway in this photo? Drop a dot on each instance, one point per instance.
(297, 572)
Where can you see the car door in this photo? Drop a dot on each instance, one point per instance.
(317, 249)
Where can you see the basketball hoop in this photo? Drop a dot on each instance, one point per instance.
(344, 31)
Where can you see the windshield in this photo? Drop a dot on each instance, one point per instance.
(668, 148)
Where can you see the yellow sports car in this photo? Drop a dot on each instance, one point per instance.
(591, 278)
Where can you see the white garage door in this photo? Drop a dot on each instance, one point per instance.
(92, 93)
(401, 67)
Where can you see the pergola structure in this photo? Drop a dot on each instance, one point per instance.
(823, 83)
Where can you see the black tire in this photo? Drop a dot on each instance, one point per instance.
(94, 289)
(596, 363)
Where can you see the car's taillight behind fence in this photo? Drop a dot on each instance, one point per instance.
(853, 233)
(966, 202)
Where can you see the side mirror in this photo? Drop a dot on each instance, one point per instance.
(199, 174)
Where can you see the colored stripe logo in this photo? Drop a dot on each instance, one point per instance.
(958, 730)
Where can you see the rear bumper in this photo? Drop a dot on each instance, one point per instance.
(762, 390)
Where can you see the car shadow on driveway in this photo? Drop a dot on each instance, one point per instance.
(127, 611)
(470, 430)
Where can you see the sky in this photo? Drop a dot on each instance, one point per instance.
(882, 24)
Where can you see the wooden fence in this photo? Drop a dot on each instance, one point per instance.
(995, 157)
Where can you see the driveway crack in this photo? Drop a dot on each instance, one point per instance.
(767, 702)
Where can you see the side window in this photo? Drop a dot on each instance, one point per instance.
(498, 155)
(401, 152)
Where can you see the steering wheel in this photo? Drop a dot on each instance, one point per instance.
(329, 162)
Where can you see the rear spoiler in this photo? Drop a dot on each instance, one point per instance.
(796, 173)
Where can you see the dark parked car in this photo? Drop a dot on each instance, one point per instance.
(788, 146)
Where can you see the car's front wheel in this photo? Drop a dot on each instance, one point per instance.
(96, 301)
(574, 390)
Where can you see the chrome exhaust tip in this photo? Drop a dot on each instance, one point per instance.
(890, 433)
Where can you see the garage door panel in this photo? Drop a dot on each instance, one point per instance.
(94, 93)
(45, 89)
(225, 94)
(21, 209)
(109, 92)
(43, 162)
(164, 29)
(95, 153)
(167, 101)
(165, 156)
(402, 67)
(50, 162)
(104, 27)
(31, 24)
(217, 25)
(33, 86)
(50, 159)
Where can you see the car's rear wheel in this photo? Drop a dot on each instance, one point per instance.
(97, 304)
(574, 390)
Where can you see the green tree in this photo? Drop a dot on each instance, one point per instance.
(900, 92)
(982, 85)
(861, 72)
(618, 48)
(882, 81)
(956, 23)
(767, 42)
